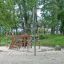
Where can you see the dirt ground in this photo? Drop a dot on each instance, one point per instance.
(44, 55)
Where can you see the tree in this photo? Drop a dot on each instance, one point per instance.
(50, 12)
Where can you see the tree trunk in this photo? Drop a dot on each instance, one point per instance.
(44, 29)
(53, 30)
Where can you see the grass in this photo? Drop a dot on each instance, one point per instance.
(52, 40)
(5, 40)
(47, 40)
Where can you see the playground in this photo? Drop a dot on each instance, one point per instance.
(24, 50)
(31, 31)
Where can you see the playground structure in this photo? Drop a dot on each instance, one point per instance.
(19, 41)
(25, 41)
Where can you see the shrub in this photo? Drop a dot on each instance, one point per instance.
(42, 36)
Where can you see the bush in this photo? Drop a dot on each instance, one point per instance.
(42, 36)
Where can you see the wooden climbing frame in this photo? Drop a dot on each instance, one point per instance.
(20, 41)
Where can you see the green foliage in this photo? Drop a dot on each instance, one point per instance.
(5, 40)
(41, 37)
(14, 12)
(53, 13)
(53, 40)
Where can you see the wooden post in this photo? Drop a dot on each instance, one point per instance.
(6, 38)
(13, 41)
(39, 44)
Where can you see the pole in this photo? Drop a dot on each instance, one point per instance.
(34, 46)
(34, 30)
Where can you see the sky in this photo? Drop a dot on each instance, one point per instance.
(38, 13)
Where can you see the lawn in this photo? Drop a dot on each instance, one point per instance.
(5, 40)
(46, 40)
(52, 40)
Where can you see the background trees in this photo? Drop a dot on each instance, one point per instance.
(16, 14)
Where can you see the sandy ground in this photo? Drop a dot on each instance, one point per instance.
(45, 55)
